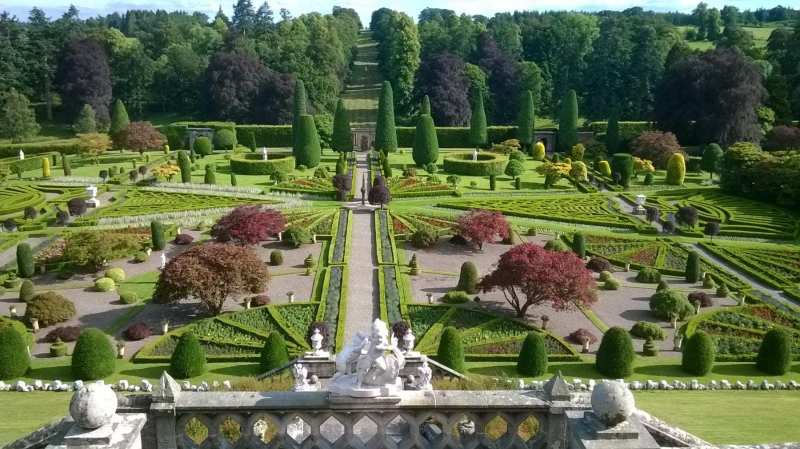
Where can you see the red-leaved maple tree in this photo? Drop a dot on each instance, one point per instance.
(481, 226)
(248, 225)
(143, 136)
(529, 275)
(212, 273)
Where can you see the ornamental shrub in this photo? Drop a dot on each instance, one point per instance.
(137, 331)
(274, 354)
(478, 135)
(676, 169)
(76, 206)
(539, 151)
(515, 168)
(129, 297)
(183, 239)
(185, 166)
(532, 359)
(296, 236)
(708, 282)
(648, 179)
(698, 354)
(647, 331)
(568, 122)
(233, 180)
(451, 350)
(342, 140)
(517, 155)
(202, 146)
(775, 353)
(25, 268)
(468, 278)
(604, 276)
(649, 349)
(556, 245)
(662, 285)
(188, 359)
(703, 298)
(622, 168)
(116, 274)
(63, 333)
(26, 291)
(426, 146)
(615, 355)
(308, 151)
(105, 284)
(424, 237)
(14, 359)
(210, 176)
(611, 284)
(598, 264)
(455, 297)
(224, 140)
(669, 304)
(693, 267)
(579, 245)
(157, 236)
(49, 308)
(492, 182)
(276, 258)
(604, 168)
(45, 167)
(94, 356)
(722, 291)
(65, 165)
(385, 132)
(648, 275)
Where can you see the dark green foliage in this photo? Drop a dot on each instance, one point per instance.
(85, 123)
(308, 151)
(386, 168)
(426, 145)
(14, 359)
(649, 349)
(234, 182)
(478, 136)
(251, 141)
(455, 297)
(698, 354)
(468, 278)
(49, 308)
(26, 291)
(274, 354)
(648, 179)
(210, 176)
(622, 168)
(202, 146)
(615, 355)
(451, 350)
(299, 109)
(568, 122)
(424, 237)
(712, 159)
(188, 358)
(775, 353)
(579, 244)
(556, 245)
(662, 286)
(342, 140)
(425, 108)
(25, 268)
(224, 140)
(65, 165)
(647, 331)
(612, 134)
(94, 356)
(526, 121)
(157, 235)
(670, 304)
(119, 122)
(185, 166)
(648, 276)
(515, 168)
(533, 356)
(276, 257)
(385, 132)
(693, 267)
(492, 182)
(296, 236)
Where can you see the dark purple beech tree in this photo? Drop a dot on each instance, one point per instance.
(84, 77)
(719, 91)
(274, 105)
(233, 82)
(503, 80)
(443, 79)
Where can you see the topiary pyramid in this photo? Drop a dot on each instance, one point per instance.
(615, 355)
(274, 354)
(698, 354)
(451, 350)
(188, 358)
(533, 356)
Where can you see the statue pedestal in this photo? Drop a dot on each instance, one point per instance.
(317, 355)
(92, 202)
(345, 385)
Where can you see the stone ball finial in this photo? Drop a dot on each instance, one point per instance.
(93, 406)
(612, 402)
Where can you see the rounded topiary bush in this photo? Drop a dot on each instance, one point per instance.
(598, 264)
(276, 258)
(183, 239)
(468, 278)
(533, 356)
(274, 354)
(670, 304)
(649, 349)
(49, 308)
(611, 284)
(63, 333)
(722, 291)
(105, 284)
(116, 274)
(702, 298)
(486, 164)
(14, 359)
(455, 297)
(604, 276)
(94, 356)
(295, 236)
(648, 276)
(615, 355)
(26, 291)
(451, 350)
(647, 331)
(202, 146)
(698, 354)
(424, 237)
(137, 331)
(556, 245)
(224, 140)
(775, 354)
(188, 358)
(129, 297)
(662, 286)
(140, 257)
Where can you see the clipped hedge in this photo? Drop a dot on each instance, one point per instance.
(487, 164)
(188, 359)
(64, 146)
(94, 357)
(457, 137)
(253, 164)
(266, 135)
(14, 359)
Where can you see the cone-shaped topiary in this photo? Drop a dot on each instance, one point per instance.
(385, 132)
(274, 354)
(210, 176)
(425, 108)
(775, 353)
(676, 169)
(451, 350)
(612, 134)
(46, 167)
(693, 267)
(622, 168)
(25, 268)
(342, 140)
(233, 180)
(568, 122)
(94, 357)
(533, 356)
(26, 291)
(468, 278)
(119, 123)
(526, 121)
(478, 133)
(65, 165)
(85, 123)
(426, 144)
(308, 150)
(298, 110)
(615, 355)
(698, 354)
(14, 359)
(579, 245)
(157, 235)
(185, 166)
(188, 358)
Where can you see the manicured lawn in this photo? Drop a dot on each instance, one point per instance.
(25, 412)
(728, 417)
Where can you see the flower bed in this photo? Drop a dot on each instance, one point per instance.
(146, 202)
(315, 186)
(485, 165)
(417, 187)
(254, 163)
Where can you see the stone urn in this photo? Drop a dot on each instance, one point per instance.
(93, 406)
(120, 350)
(612, 402)
(35, 324)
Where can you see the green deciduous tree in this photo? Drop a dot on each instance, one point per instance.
(17, 119)
(712, 159)
(85, 123)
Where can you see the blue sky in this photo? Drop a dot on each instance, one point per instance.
(54, 8)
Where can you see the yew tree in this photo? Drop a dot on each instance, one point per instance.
(529, 275)
(212, 273)
(481, 226)
(248, 225)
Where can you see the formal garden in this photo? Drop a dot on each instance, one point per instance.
(516, 227)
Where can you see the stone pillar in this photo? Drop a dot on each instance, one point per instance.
(162, 410)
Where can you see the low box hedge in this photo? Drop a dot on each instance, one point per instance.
(65, 146)
(253, 164)
(487, 164)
